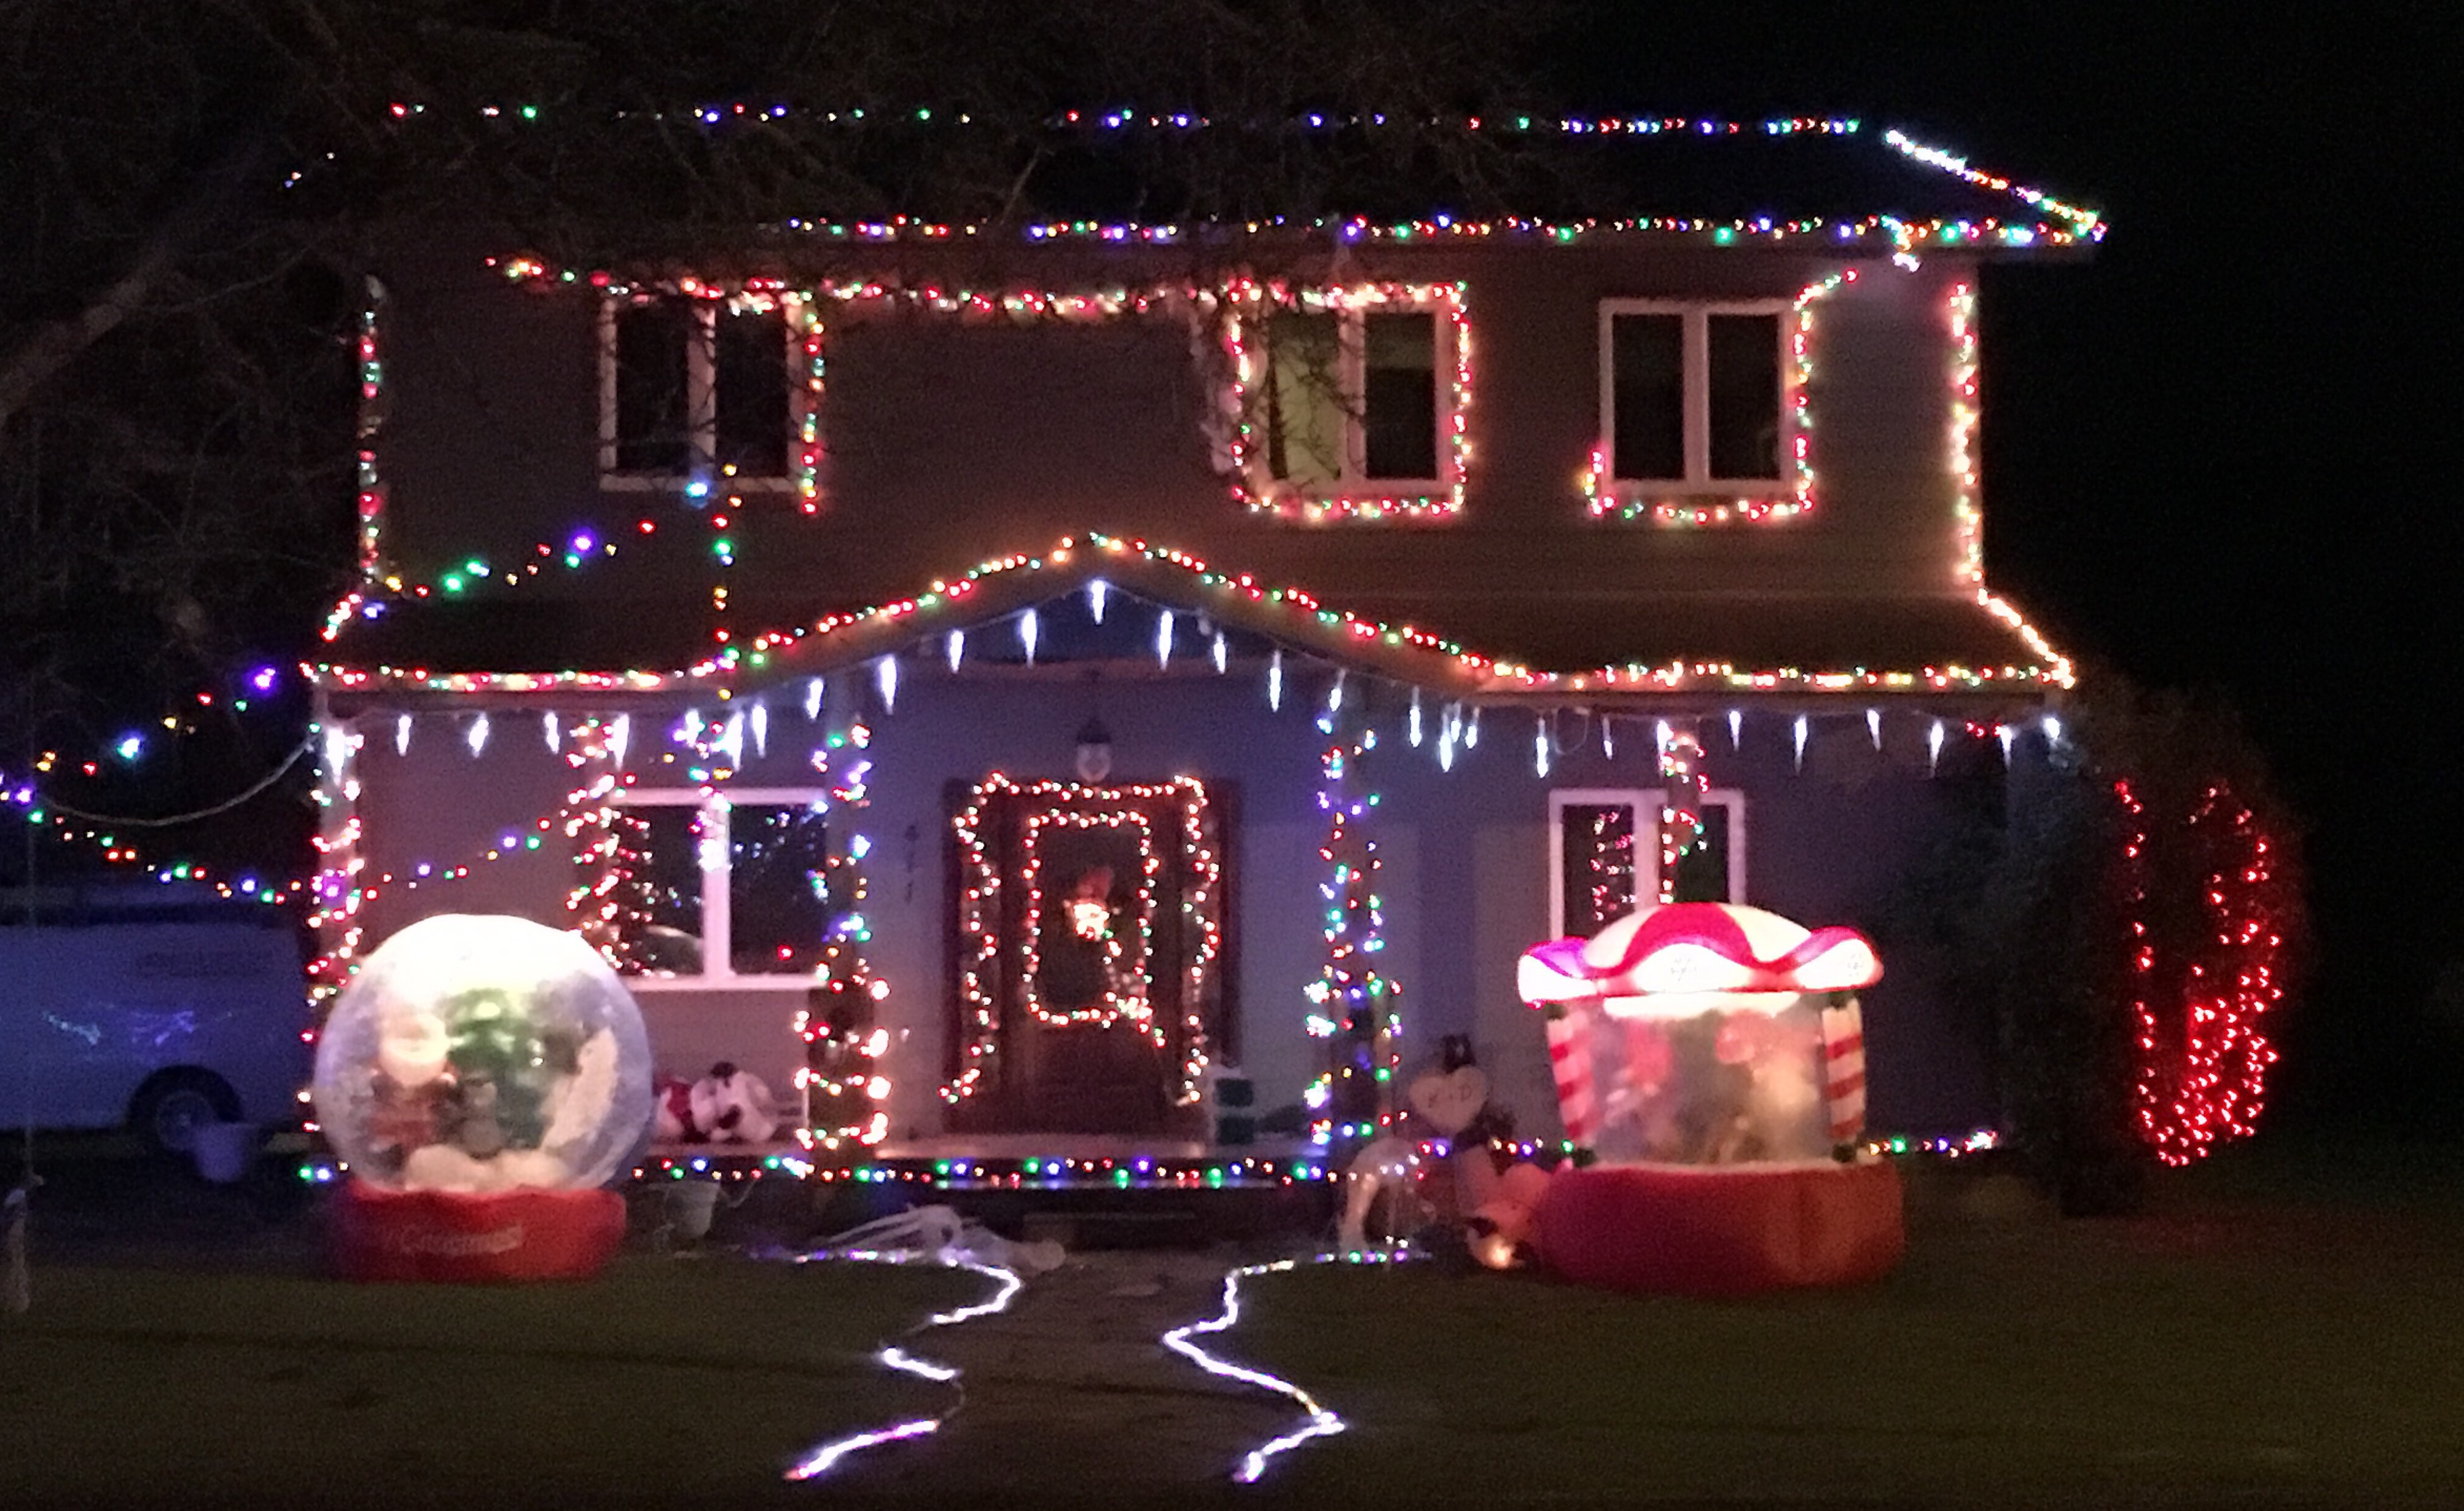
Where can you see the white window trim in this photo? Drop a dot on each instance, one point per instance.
(717, 945)
(1645, 804)
(701, 407)
(1352, 376)
(1696, 315)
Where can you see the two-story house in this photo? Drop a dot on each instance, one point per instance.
(987, 682)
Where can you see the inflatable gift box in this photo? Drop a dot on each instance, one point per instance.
(1711, 1059)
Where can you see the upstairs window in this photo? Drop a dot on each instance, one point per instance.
(1691, 395)
(697, 389)
(721, 888)
(1353, 403)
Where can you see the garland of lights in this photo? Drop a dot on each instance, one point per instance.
(1686, 789)
(979, 910)
(1964, 416)
(2203, 1051)
(844, 1044)
(1352, 1006)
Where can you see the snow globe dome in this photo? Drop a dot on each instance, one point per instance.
(484, 1052)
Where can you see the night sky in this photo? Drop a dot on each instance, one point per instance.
(2214, 455)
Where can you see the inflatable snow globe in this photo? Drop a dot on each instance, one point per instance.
(483, 1079)
(1710, 1058)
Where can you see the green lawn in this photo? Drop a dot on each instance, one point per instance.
(2309, 1345)
(681, 1382)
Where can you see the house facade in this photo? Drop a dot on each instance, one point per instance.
(1004, 686)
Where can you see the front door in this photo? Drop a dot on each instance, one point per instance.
(1088, 953)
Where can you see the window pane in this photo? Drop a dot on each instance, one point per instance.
(658, 920)
(1399, 395)
(1648, 354)
(1703, 871)
(1745, 395)
(653, 417)
(752, 398)
(1598, 877)
(778, 898)
(1304, 408)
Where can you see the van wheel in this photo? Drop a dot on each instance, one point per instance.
(172, 1105)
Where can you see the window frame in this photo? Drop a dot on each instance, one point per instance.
(717, 940)
(1355, 495)
(701, 400)
(1644, 801)
(1695, 395)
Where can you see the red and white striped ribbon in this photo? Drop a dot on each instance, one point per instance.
(1569, 1061)
(1843, 1065)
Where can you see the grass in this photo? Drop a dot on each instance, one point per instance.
(2265, 1334)
(665, 1381)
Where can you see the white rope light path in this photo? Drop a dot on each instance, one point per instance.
(1322, 1421)
(879, 1243)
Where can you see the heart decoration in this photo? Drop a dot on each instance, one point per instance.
(1448, 1101)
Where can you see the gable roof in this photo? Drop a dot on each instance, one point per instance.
(1680, 647)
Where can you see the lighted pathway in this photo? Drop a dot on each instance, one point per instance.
(1070, 1397)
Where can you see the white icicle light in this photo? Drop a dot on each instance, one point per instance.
(1030, 628)
(2006, 734)
(1223, 654)
(1275, 682)
(548, 730)
(1095, 591)
(956, 647)
(1540, 745)
(812, 699)
(2053, 728)
(402, 734)
(1608, 737)
(731, 740)
(1415, 718)
(885, 675)
(1736, 727)
(1933, 748)
(1335, 694)
(761, 729)
(619, 736)
(338, 749)
(1800, 741)
(1471, 731)
(1163, 639)
(1874, 726)
(477, 735)
(1659, 736)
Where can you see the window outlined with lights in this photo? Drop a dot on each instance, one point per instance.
(1352, 402)
(1604, 857)
(722, 889)
(1695, 398)
(697, 389)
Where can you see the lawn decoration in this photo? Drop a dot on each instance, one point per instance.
(1709, 1058)
(483, 1079)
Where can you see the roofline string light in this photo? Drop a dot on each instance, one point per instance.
(1305, 613)
(2061, 224)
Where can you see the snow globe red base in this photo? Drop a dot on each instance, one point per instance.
(1710, 1058)
(482, 1079)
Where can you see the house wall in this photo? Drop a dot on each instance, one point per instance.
(953, 441)
(1466, 856)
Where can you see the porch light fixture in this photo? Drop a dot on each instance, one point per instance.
(1094, 750)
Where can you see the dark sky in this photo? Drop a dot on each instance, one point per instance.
(2219, 453)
